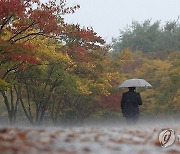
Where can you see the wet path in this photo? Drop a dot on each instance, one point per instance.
(86, 140)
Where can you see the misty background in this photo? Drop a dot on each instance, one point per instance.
(109, 16)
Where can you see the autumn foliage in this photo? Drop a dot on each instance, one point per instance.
(47, 65)
(64, 73)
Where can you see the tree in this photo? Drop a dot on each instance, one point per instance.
(164, 76)
(149, 37)
(20, 22)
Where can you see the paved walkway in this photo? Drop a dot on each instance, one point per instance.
(86, 140)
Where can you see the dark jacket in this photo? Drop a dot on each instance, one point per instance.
(129, 104)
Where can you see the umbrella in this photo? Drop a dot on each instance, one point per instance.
(135, 83)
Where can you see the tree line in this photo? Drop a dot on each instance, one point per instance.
(55, 72)
(49, 69)
(149, 37)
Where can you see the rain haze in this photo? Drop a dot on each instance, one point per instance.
(107, 17)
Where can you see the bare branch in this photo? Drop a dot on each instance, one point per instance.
(6, 21)
(23, 30)
(23, 37)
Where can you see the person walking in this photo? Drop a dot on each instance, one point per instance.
(129, 105)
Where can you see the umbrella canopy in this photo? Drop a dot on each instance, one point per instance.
(135, 83)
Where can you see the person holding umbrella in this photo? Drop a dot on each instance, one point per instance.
(131, 99)
(129, 105)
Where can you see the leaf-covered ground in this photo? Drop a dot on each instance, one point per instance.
(139, 139)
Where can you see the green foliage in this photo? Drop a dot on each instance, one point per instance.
(149, 37)
(3, 85)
